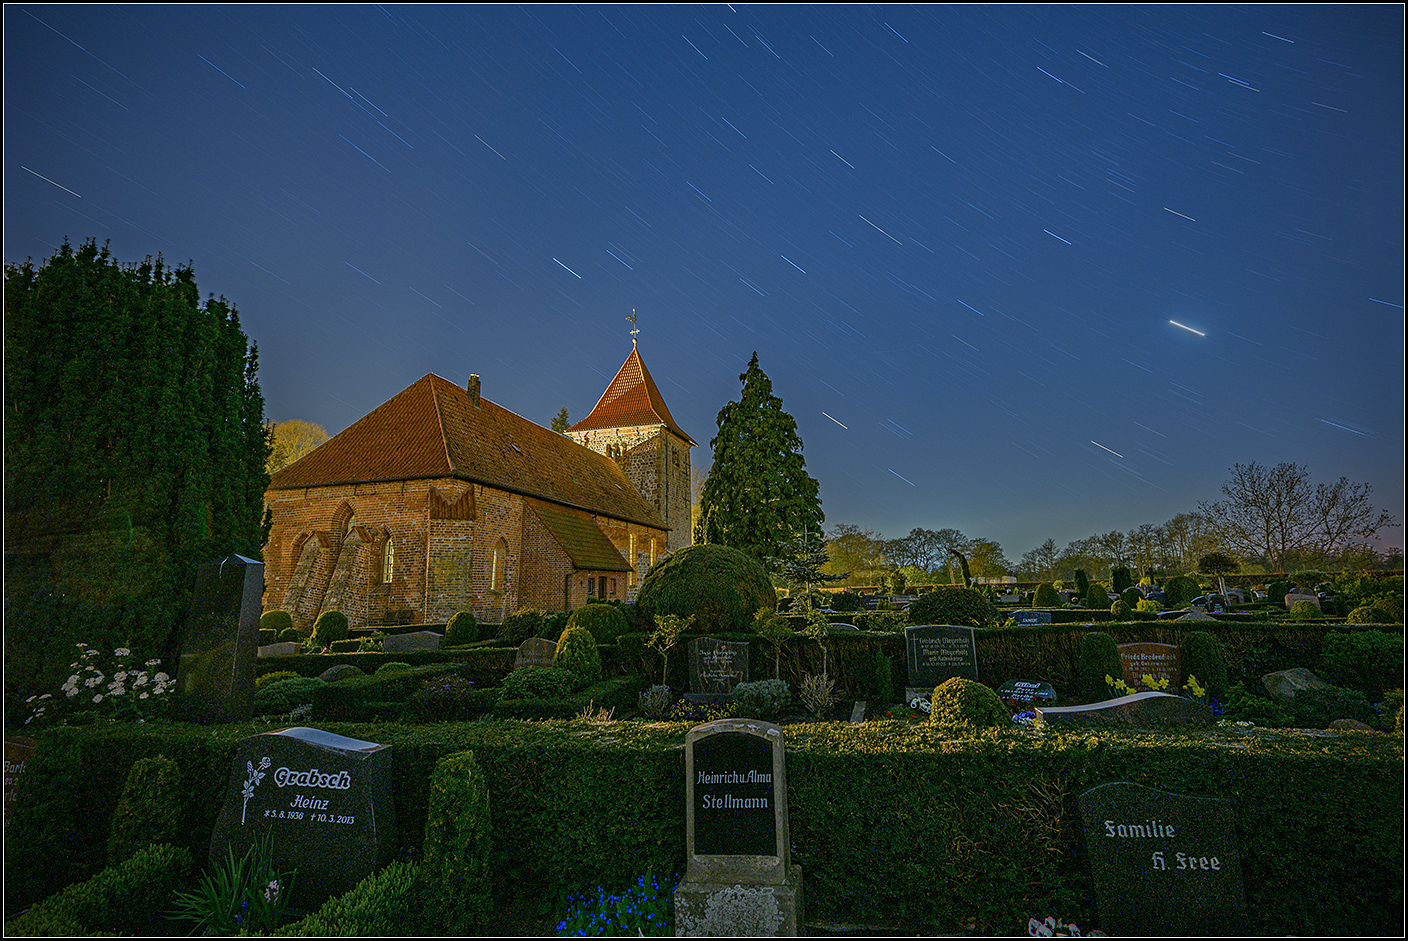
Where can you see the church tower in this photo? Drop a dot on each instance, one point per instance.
(632, 425)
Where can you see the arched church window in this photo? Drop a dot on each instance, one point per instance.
(388, 561)
(496, 571)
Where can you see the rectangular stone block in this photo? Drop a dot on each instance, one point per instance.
(220, 644)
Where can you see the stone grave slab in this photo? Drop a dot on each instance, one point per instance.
(1293, 598)
(1161, 661)
(215, 672)
(324, 799)
(715, 668)
(937, 652)
(535, 652)
(739, 877)
(1024, 694)
(1027, 618)
(1139, 710)
(285, 648)
(18, 750)
(412, 641)
(1163, 864)
(1284, 685)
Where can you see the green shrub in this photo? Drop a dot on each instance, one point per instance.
(1046, 596)
(1083, 586)
(1096, 597)
(393, 666)
(606, 622)
(276, 621)
(1132, 596)
(1369, 614)
(540, 683)
(274, 677)
(720, 587)
(1099, 658)
(1317, 708)
(961, 705)
(521, 625)
(128, 899)
(1252, 705)
(149, 811)
(389, 903)
(1180, 590)
(280, 697)
(1119, 610)
(1120, 579)
(1305, 611)
(1202, 657)
(456, 848)
(577, 653)
(462, 629)
(1369, 661)
(290, 635)
(655, 702)
(1148, 606)
(965, 607)
(764, 699)
(450, 697)
(330, 628)
(1276, 592)
(845, 601)
(881, 687)
(883, 621)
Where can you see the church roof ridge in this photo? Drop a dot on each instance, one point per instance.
(631, 399)
(431, 429)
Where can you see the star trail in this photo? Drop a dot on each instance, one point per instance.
(1008, 232)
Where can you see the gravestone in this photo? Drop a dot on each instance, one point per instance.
(1162, 864)
(937, 652)
(325, 800)
(715, 668)
(18, 750)
(1027, 618)
(1284, 686)
(1009, 599)
(285, 648)
(411, 641)
(1293, 598)
(215, 676)
(1023, 693)
(535, 652)
(1139, 711)
(739, 878)
(1161, 661)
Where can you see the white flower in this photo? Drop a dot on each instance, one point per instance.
(70, 693)
(144, 696)
(162, 678)
(141, 680)
(153, 663)
(122, 652)
(97, 697)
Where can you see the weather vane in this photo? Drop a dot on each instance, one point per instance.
(635, 331)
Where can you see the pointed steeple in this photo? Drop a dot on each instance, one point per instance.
(631, 400)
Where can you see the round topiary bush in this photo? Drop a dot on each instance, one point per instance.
(1099, 658)
(1305, 611)
(1148, 606)
(1202, 658)
(462, 629)
(1119, 610)
(965, 607)
(274, 677)
(1180, 590)
(330, 627)
(720, 587)
(1046, 596)
(1096, 597)
(276, 621)
(282, 696)
(521, 625)
(577, 653)
(290, 635)
(1369, 614)
(959, 704)
(605, 621)
(1132, 596)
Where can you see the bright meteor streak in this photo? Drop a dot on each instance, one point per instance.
(843, 426)
(1103, 448)
(1189, 329)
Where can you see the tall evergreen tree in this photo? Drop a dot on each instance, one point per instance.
(134, 452)
(758, 497)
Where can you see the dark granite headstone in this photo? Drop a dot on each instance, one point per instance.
(739, 878)
(535, 652)
(937, 652)
(1159, 661)
(1024, 693)
(325, 800)
(18, 750)
(1163, 864)
(215, 676)
(1027, 618)
(716, 667)
(412, 640)
(1139, 710)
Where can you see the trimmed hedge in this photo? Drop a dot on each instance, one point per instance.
(387, 904)
(128, 899)
(457, 841)
(580, 804)
(149, 812)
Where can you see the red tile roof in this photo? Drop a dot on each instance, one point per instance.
(631, 399)
(431, 430)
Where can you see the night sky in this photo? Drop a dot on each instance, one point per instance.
(1026, 272)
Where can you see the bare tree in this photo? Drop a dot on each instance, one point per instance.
(1144, 542)
(1274, 514)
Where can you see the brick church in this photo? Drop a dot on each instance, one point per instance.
(440, 501)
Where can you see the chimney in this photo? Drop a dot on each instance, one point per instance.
(473, 388)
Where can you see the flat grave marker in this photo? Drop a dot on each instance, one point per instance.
(1024, 693)
(1162, 864)
(1028, 618)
